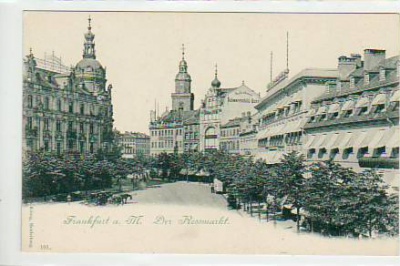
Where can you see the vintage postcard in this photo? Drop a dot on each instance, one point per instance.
(210, 133)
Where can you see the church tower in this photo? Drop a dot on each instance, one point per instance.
(182, 98)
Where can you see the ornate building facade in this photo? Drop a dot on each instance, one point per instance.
(219, 106)
(356, 122)
(67, 110)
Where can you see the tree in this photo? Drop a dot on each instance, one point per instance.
(291, 171)
(373, 203)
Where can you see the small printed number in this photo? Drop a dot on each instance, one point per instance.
(44, 247)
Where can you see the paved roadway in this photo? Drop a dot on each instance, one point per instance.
(181, 193)
(154, 221)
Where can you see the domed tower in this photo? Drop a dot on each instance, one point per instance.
(91, 76)
(182, 98)
(216, 83)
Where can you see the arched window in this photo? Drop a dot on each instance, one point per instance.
(71, 107)
(211, 138)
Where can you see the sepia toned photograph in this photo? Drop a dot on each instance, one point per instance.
(210, 133)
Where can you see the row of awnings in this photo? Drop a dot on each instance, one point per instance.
(375, 138)
(296, 97)
(270, 157)
(289, 127)
(286, 102)
(350, 104)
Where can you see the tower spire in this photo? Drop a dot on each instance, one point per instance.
(90, 25)
(183, 51)
(216, 70)
(88, 50)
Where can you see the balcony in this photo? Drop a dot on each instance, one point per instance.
(386, 163)
(353, 119)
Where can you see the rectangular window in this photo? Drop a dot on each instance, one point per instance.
(81, 127)
(30, 123)
(46, 145)
(58, 126)
(59, 106)
(82, 109)
(71, 107)
(91, 128)
(70, 125)
(30, 101)
(58, 148)
(82, 147)
(70, 144)
(91, 148)
(46, 103)
(46, 124)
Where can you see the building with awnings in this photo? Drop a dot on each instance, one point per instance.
(356, 122)
(283, 111)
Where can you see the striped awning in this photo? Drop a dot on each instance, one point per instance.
(348, 105)
(312, 112)
(322, 110)
(293, 126)
(395, 97)
(386, 136)
(355, 140)
(394, 140)
(372, 139)
(296, 97)
(342, 140)
(331, 140)
(310, 140)
(318, 141)
(333, 108)
(379, 99)
(362, 102)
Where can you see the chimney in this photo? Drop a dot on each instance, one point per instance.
(372, 58)
(346, 65)
(357, 57)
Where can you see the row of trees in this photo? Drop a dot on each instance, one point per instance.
(47, 174)
(324, 196)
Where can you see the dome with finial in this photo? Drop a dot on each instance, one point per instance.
(216, 83)
(183, 75)
(89, 70)
(89, 62)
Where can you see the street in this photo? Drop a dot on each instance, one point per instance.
(181, 193)
(177, 218)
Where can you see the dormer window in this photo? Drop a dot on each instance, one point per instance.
(382, 74)
(366, 78)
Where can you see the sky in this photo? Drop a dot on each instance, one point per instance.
(142, 50)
